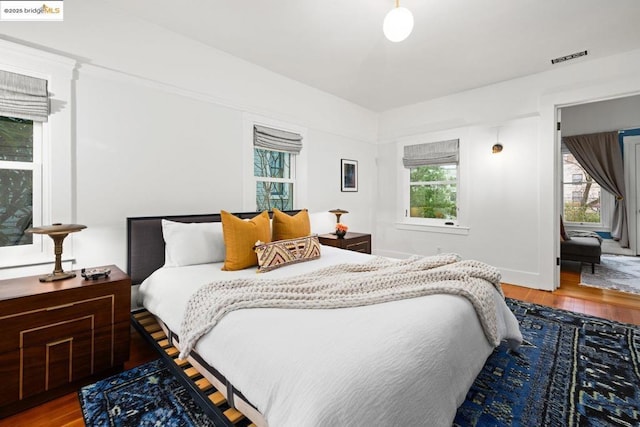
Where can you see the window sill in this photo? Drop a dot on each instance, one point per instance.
(35, 261)
(33, 267)
(584, 226)
(433, 228)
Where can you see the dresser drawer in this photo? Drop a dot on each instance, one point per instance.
(55, 356)
(96, 312)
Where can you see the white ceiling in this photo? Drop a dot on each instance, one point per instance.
(338, 46)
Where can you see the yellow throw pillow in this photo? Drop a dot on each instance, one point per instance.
(240, 237)
(290, 227)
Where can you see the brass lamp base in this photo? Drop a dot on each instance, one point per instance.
(57, 232)
(57, 276)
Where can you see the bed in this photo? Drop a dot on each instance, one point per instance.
(402, 362)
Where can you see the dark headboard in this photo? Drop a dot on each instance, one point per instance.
(145, 244)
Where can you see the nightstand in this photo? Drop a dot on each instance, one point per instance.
(358, 242)
(57, 336)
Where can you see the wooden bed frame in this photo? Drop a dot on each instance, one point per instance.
(224, 404)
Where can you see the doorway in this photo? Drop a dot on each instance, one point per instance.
(623, 115)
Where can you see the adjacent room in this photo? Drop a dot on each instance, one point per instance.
(590, 211)
(304, 213)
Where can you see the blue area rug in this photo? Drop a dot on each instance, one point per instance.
(572, 370)
(148, 395)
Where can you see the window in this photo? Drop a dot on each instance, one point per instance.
(582, 195)
(432, 181)
(20, 172)
(432, 192)
(24, 105)
(275, 178)
(35, 155)
(275, 156)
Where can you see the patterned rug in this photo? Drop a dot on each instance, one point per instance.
(615, 272)
(148, 395)
(572, 370)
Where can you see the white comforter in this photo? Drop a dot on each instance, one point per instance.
(407, 362)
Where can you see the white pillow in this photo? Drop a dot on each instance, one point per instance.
(192, 243)
(322, 222)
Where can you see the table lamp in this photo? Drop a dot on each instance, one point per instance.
(57, 232)
(338, 213)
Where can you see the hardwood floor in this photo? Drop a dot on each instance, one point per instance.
(65, 411)
(619, 306)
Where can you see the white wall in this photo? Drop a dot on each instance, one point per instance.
(146, 99)
(510, 201)
(603, 116)
(157, 128)
(324, 190)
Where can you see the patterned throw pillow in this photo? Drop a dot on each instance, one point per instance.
(284, 252)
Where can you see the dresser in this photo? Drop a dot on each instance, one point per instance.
(57, 336)
(358, 242)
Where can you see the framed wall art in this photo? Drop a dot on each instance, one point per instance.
(348, 175)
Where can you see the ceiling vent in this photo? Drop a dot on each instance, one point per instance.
(568, 57)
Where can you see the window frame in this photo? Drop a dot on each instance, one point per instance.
(433, 184)
(298, 162)
(275, 180)
(54, 172)
(431, 225)
(39, 193)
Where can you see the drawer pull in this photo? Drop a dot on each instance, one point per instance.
(60, 306)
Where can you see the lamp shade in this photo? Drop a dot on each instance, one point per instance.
(338, 213)
(398, 24)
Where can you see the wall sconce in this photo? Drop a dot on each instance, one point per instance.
(338, 213)
(497, 147)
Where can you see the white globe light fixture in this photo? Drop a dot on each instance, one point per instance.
(398, 23)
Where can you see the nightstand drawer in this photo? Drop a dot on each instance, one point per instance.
(363, 246)
(358, 242)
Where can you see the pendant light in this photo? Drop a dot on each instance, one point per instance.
(398, 23)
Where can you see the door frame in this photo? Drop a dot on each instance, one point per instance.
(630, 140)
(558, 203)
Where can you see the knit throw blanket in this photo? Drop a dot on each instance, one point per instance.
(347, 285)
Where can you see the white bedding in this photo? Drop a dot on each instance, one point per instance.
(407, 362)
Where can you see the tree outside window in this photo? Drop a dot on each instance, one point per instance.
(16, 181)
(582, 195)
(274, 174)
(433, 192)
